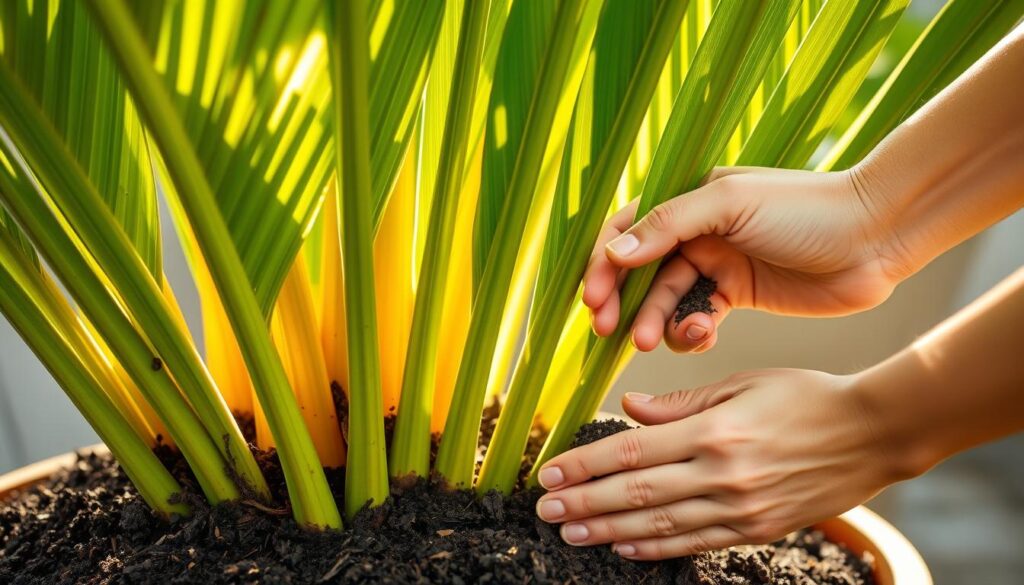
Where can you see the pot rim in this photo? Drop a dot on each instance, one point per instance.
(896, 561)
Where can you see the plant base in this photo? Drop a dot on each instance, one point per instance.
(88, 524)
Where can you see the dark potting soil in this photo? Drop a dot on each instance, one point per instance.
(87, 524)
(697, 299)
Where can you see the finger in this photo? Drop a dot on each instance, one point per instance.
(632, 449)
(696, 329)
(657, 521)
(691, 333)
(600, 277)
(658, 410)
(711, 209)
(673, 280)
(605, 318)
(681, 545)
(707, 345)
(630, 490)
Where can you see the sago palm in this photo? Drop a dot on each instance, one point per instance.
(396, 196)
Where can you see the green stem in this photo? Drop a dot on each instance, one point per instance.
(367, 477)
(74, 268)
(24, 299)
(457, 456)
(91, 219)
(312, 502)
(410, 451)
(501, 465)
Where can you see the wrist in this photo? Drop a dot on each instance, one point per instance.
(903, 434)
(881, 198)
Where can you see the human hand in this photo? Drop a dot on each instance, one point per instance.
(784, 241)
(746, 460)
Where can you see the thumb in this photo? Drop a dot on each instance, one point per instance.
(707, 210)
(655, 410)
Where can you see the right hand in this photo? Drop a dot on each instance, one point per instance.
(784, 241)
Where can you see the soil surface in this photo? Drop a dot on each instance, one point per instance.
(87, 524)
(697, 299)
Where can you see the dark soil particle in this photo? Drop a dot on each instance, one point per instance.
(598, 430)
(88, 525)
(697, 299)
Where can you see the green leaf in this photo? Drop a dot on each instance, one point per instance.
(516, 75)
(961, 33)
(59, 173)
(411, 445)
(456, 455)
(127, 401)
(8, 226)
(629, 52)
(397, 78)
(311, 498)
(435, 103)
(89, 106)
(257, 111)
(809, 10)
(823, 77)
(77, 199)
(33, 307)
(728, 67)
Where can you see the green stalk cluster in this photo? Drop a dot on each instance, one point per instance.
(245, 135)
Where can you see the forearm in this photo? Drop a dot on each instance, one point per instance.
(960, 385)
(955, 167)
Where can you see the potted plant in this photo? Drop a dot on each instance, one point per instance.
(379, 198)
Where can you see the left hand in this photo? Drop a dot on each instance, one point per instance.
(743, 461)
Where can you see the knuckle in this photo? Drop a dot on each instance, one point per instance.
(739, 480)
(750, 507)
(679, 399)
(714, 175)
(762, 532)
(662, 522)
(608, 530)
(662, 217)
(630, 450)
(726, 430)
(730, 185)
(581, 468)
(584, 504)
(698, 543)
(639, 492)
(660, 551)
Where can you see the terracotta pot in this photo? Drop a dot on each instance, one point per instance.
(897, 562)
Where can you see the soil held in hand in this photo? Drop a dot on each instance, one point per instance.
(87, 524)
(697, 299)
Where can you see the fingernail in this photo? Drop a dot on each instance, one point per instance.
(624, 245)
(551, 510)
(638, 397)
(551, 477)
(624, 550)
(696, 332)
(575, 533)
